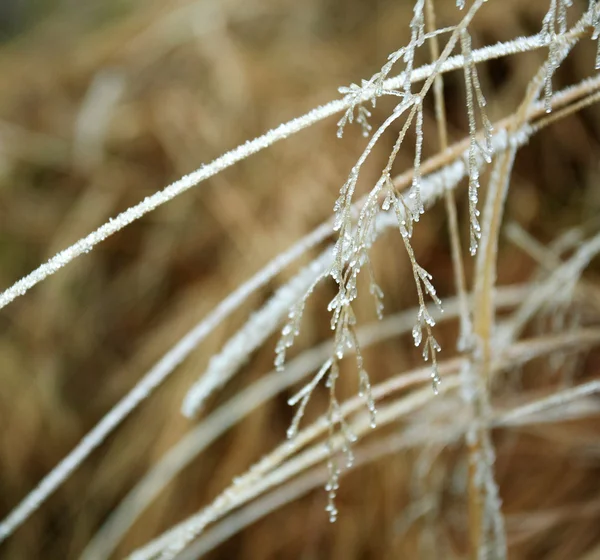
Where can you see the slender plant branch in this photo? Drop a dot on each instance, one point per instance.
(449, 199)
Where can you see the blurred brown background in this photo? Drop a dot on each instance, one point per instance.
(103, 103)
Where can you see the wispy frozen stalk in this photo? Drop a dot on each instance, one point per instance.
(233, 524)
(486, 263)
(404, 217)
(343, 205)
(473, 91)
(409, 102)
(176, 539)
(366, 454)
(553, 33)
(449, 200)
(86, 244)
(257, 329)
(486, 524)
(342, 310)
(341, 305)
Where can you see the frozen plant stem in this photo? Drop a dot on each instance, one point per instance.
(449, 199)
(486, 524)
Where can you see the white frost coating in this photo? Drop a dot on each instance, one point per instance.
(519, 415)
(86, 244)
(150, 203)
(257, 329)
(559, 286)
(152, 379)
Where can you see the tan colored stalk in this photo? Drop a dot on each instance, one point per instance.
(481, 503)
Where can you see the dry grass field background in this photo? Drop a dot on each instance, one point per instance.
(103, 105)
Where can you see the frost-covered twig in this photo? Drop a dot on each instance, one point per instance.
(473, 89)
(486, 523)
(449, 199)
(524, 415)
(257, 329)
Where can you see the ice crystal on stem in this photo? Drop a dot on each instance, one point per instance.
(417, 38)
(335, 418)
(422, 278)
(303, 396)
(594, 14)
(554, 26)
(354, 95)
(474, 95)
(416, 191)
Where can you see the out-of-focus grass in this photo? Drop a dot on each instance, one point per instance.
(190, 80)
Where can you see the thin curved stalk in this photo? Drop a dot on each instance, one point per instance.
(486, 522)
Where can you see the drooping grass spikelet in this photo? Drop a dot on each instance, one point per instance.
(554, 26)
(474, 95)
(422, 282)
(261, 324)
